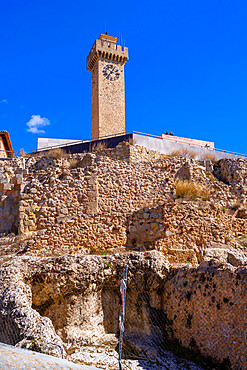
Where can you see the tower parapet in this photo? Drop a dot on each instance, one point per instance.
(106, 47)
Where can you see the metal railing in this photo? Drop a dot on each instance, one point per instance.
(7, 154)
(197, 145)
(121, 134)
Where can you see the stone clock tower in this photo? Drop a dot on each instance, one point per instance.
(106, 62)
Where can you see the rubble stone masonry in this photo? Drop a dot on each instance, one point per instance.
(102, 202)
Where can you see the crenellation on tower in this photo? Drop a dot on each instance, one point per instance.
(108, 49)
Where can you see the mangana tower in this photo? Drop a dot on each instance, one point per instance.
(106, 62)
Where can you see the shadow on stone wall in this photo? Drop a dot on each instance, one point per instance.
(145, 227)
(9, 333)
(9, 209)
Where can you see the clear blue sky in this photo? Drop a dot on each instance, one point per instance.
(187, 71)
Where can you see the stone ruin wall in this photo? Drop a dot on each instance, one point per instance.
(88, 207)
(130, 153)
(102, 202)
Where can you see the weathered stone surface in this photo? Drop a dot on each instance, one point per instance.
(21, 325)
(14, 358)
(207, 309)
(233, 172)
(74, 301)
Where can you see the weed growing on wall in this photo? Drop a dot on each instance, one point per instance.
(184, 152)
(190, 190)
(99, 147)
(57, 153)
(208, 156)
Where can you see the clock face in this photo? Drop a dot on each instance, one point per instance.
(111, 72)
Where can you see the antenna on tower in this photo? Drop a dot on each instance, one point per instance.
(105, 28)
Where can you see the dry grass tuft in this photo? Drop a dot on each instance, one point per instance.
(129, 141)
(99, 147)
(175, 153)
(190, 190)
(57, 153)
(184, 152)
(74, 163)
(208, 156)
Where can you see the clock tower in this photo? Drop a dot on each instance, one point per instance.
(106, 62)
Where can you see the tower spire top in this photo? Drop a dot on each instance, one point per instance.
(106, 37)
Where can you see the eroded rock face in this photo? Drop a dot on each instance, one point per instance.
(70, 302)
(233, 172)
(206, 307)
(20, 324)
(87, 289)
(80, 295)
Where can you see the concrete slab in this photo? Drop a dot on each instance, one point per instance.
(44, 143)
(17, 358)
(167, 147)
